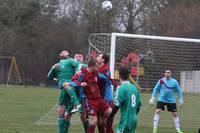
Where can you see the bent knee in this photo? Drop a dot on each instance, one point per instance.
(174, 114)
(61, 111)
(92, 120)
(108, 112)
(66, 85)
(158, 111)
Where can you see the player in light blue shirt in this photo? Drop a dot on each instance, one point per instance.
(167, 86)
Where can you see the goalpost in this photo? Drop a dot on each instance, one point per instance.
(147, 56)
(9, 72)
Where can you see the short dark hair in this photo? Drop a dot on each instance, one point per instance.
(106, 58)
(124, 73)
(91, 62)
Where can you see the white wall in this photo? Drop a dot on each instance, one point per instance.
(190, 81)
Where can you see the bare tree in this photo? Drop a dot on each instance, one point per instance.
(133, 15)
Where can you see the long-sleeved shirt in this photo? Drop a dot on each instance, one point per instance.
(64, 72)
(167, 87)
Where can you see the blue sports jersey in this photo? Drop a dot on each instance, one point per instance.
(167, 88)
(108, 89)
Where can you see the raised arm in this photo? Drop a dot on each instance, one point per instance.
(107, 78)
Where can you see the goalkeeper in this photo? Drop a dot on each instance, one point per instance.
(63, 72)
(167, 86)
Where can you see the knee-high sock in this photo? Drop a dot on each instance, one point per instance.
(101, 128)
(61, 125)
(67, 124)
(72, 94)
(176, 122)
(91, 128)
(156, 120)
(85, 126)
(109, 128)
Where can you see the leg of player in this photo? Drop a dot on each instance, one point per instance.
(100, 124)
(63, 124)
(92, 124)
(63, 103)
(156, 120)
(176, 122)
(71, 92)
(84, 121)
(108, 123)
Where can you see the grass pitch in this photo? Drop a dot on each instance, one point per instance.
(21, 107)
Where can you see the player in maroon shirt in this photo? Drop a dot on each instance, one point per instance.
(88, 78)
(105, 89)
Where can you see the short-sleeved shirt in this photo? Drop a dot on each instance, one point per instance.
(128, 99)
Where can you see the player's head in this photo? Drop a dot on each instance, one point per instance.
(92, 64)
(79, 58)
(123, 73)
(64, 54)
(168, 73)
(103, 58)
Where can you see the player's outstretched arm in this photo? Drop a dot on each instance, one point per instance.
(51, 74)
(155, 91)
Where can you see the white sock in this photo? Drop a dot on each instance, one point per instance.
(155, 120)
(176, 122)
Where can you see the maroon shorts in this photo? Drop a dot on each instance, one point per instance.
(97, 105)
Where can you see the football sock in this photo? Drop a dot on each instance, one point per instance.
(176, 123)
(67, 124)
(101, 128)
(109, 128)
(155, 120)
(61, 125)
(85, 126)
(91, 128)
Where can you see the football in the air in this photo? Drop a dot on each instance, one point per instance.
(106, 5)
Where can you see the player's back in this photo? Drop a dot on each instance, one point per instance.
(129, 105)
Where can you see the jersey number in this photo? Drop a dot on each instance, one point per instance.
(133, 101)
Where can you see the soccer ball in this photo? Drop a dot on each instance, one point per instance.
(106, 5)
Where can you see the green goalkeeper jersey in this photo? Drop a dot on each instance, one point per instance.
(128, 99)
(64, 72)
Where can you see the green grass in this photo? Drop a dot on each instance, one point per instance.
(21, 107)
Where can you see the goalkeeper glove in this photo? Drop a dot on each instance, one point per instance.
(151, 101)
(181, 102)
